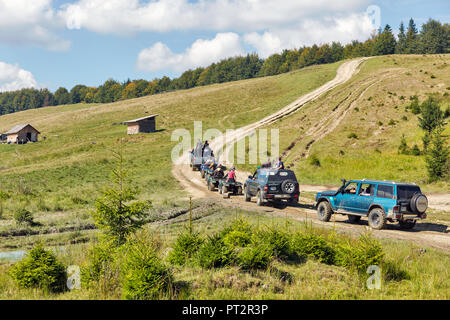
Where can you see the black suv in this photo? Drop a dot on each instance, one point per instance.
(272, 185)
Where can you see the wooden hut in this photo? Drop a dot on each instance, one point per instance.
(22, 134)
(145, 124)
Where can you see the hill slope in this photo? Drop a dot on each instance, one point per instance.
(65, 172)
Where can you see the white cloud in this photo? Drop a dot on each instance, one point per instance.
(200, 54)
(25, 22)
(129, 16)
(12, 77)
(343, 28)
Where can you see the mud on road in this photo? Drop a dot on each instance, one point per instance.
(425, 233)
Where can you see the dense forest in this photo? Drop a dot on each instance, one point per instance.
(433, 37)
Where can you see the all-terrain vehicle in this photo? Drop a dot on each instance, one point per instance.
(272, 185)
(226, 187)
(206, 169)
(380, 201)
(199, 155)
(213, 180)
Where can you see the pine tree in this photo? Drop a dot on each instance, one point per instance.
(411, 38)
(432, 116)
(433, 37)
(114, 213)
(438, 156)
(401, 43)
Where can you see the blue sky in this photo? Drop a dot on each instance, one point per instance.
(46, 43)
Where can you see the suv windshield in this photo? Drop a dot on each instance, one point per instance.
(406, 192)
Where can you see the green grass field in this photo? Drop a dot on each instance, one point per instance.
(427, 270)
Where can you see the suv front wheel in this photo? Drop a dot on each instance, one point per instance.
(324, 211)
(377, 219)
(247, 195)
(259, 198)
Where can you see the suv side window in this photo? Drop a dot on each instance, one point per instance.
(367, 190)
(385, 191)
(351, 188)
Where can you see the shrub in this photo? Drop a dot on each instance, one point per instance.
(24, 217)
(414, 106)
(102, 263)
(405, 118)
(447, 112)
(415, 151)
(237, 234)
(277, 241)
(352, 136)
(255, 256)
(314, 161)
(391, 122)
(236, 238)
(40, 269)
(214, 253)
(403, 147)
(380, 123)
(356, 109)
(359, 255)
(144, 275)
(185, 247)
(313, 246)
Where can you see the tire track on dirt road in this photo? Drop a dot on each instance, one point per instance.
(427, 234)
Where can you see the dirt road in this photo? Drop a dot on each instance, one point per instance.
(425, 233)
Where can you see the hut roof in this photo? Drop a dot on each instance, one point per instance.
(143, 118)
(20, 127)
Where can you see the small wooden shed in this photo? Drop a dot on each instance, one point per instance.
(145, 124)
(22, 133)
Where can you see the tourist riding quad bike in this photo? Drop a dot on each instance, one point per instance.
(214, 180)
(206, 169)
(226, 187)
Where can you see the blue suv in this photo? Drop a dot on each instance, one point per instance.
(380, 201)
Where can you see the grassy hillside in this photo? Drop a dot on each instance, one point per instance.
(409, 271)
(59, 178)
(372, 106)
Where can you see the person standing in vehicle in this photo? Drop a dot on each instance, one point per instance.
(231, 175)
(279, 165)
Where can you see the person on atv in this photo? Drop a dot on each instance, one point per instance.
(212, 163)
(209, 162)
(231, 175)
(218, 173)
(279, 164)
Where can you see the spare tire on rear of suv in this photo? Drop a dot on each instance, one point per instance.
(419, 203)
(288, 186)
